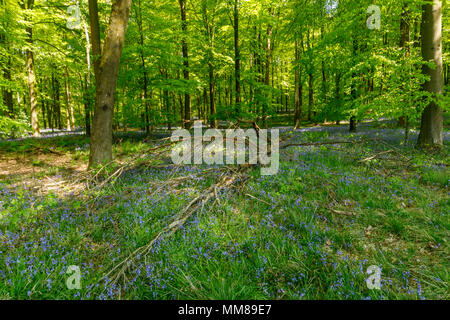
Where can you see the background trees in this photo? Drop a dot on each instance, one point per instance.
(431, 33)
(277, 62)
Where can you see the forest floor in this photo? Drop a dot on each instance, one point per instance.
(309, 232)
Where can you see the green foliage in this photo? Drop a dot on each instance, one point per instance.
(10, 128)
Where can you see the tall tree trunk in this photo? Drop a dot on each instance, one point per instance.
(87, 104)
(144, 69)
(338, 93)
(166, 101)
(56, 102)
(310, 95)
(87, 82)
(212, 104)
(268, 64)
(404, 39)
(237, 57)
(101, 139)
(352, 127)
(7, 93)
(210, 29)
(324, 75)
(42, 100)
(31, 76)
(70, 120)
(95, 36)
(298, 94)
(184, 47)
(431, 31)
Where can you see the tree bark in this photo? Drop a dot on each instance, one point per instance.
(184, 47)
(31, 76)
(70, 120)
(144, 69)
(310, 95)
(404, 39)
(298, 94)
(87, 104)
(7, 93)
(432, 117)
(95, 36)
(87, 82)
(101, 140)
(210, 29)
(56, 109)
(268, 64)
(352, 127)
(338, 93)
(237, 57)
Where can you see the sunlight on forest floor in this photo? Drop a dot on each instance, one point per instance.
(309, 232)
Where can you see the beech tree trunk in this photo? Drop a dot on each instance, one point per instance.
(432, 117)
(70, 120)
(95, 36)
(404, 39)
(7, 93)
(101, 139)
(87, 81)
(184, 47)
(298, 94)
(338, 94)
(144, 69)
(267, 69)
(352, 127)
(210, 29)
(31, 76)
(237, 57)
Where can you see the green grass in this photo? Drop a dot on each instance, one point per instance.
(309, 232)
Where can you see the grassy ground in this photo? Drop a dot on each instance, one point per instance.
(310, 232)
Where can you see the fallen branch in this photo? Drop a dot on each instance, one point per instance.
(342, 213)
(320, 143)
(376, 156)
(119, 271)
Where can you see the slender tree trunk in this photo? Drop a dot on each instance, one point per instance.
(184, 47)
(212, 104)
(268, 64)
(237, 57)
(87, 82)
(404, 39)
(87, 104)
(210, 29)
(166, 101)
(31, 76)
(324, 75)
(338, 93)
(352, 127)
(101, 139)
(56, 106)
(70, 121)
(310, 95)
(144, 69)
(298, 94)
(42, 99)
(95, 36)
(7, 93)
(432, 117)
